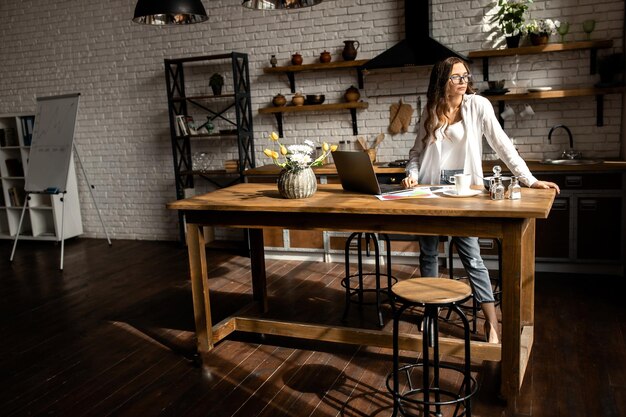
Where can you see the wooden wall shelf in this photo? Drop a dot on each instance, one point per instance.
(593, 46)
(292, 69)
(553, 94)
(278, 112)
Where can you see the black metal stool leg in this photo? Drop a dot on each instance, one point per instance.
(347, 269)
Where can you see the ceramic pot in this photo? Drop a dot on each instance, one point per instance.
(297, 99)
(539, 39)
(325, 57)
(273, 60)
(296, 59)
(349, 50)
(352, 94)
(297, 183)
(279, 100)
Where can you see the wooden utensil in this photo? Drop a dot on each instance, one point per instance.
(362, 142)
(378, 139)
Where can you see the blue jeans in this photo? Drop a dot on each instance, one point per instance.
(469, 252)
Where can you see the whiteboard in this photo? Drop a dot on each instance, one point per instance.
(51, 148)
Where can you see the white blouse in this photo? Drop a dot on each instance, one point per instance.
(478, 119)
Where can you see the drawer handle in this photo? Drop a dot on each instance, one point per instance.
(574, 181)
(588, 205)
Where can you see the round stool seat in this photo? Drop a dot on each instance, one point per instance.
(431, 290)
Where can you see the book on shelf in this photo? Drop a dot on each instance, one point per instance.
(14, 167)
(17, 196)
(8, 137)
(186, 125)
(28, 123)
(231, 165)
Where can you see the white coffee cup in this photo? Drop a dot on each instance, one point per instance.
(527, 112)
(507, 113)
(462, 182)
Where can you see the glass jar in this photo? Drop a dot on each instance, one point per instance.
(515, 191)
(497, 189)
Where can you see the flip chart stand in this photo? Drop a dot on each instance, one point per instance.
(54, 191)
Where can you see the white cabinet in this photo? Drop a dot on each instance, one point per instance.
(42, 221)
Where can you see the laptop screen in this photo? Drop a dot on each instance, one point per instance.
(356, 172)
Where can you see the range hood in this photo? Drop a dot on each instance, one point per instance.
(418, 48)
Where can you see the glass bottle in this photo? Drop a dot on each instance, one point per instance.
(515, 191)
(497, 189)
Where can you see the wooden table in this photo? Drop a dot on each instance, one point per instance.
(255, 206)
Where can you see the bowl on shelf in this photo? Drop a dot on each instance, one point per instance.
(315, 98)
(496, 85)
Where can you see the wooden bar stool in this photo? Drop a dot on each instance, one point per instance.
(355, 292)
(432, 294)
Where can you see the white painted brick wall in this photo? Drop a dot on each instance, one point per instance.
(58, 46)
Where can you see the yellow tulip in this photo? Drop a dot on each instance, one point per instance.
(333, 148)
(283, 150)
(274, 136)
(268, 152)
(326, 147)
(274, 154)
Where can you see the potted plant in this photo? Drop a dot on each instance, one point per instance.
(540, 30)
(510, 19)
(216, 82)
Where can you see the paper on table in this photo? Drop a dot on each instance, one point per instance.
(418, 192)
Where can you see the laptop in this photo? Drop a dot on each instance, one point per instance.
(356, 173)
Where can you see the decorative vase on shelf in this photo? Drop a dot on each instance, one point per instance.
(539, 38)
(352, 94)
(296, 59)
(349, 50)
(297, 99)
(297, 183)
(325, 57)
(512, 41)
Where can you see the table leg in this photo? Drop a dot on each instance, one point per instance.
(257, 266)
(200, 288)
(518, 284)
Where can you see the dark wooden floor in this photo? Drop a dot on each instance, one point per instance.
(113, 335)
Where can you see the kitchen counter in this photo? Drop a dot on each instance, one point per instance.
(534, 165)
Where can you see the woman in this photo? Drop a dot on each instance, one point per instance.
(449, 141)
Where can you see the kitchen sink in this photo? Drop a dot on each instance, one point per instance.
(571, 161)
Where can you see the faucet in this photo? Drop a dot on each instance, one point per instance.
(570, 153)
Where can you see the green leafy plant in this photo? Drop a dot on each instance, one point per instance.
(543, 26)
(510, 16)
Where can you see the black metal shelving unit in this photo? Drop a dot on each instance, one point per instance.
(215, 106)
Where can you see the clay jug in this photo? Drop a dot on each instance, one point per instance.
(296, 59)
(349, 50)
(325, 57)
(352, 94)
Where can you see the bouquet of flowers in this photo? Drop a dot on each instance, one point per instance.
(542, 27)
(296, 156)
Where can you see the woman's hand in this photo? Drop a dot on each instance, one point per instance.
(409, 182)
(546, 184)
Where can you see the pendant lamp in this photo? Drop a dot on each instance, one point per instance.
(169, 12)
(278, 4)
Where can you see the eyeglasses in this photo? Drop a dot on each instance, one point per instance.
(456, 79)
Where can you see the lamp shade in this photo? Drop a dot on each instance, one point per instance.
(278, 4)
(169, 12)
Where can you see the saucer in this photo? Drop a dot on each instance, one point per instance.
(452, 193)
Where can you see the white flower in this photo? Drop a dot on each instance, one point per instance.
(298, 156)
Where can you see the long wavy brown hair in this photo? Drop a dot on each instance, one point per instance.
(436, 96)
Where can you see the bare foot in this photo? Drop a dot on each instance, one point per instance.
(491, 333)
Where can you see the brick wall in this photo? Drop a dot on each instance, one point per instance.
(58, 46)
